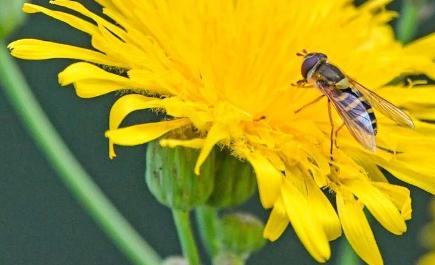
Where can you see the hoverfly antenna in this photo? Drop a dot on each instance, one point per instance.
(302, 53)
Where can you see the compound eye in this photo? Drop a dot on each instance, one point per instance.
(308, 64)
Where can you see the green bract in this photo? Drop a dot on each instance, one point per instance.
(170, 177)
(234, 181)
(240, 234)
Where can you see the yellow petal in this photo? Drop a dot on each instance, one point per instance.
(357, 229)
(372, 170)
(106, 3)
(426, 44)
(319, 165)
(71, 20)
(32, 49)
(216, 133)
(274, 159)
(123, 107)
(268, 178)
(127, 104)
(322, 208)
(400, 196)
(378, 204)
(79, 8)
(196, 143)
(408, 96)
(140, 134)
(411, 176)
(92, 81)
(177, 107)
(305, 223)
(402, 171)
(424, 48)
(277, 222)
(153, 82)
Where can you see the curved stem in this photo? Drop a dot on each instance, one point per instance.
(67, 167)
(206, 217)
(185, 234)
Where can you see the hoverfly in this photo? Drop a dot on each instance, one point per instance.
(352, 101)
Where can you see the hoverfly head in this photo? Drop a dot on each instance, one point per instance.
(312, 61)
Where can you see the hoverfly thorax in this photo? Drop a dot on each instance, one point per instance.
(311, 62)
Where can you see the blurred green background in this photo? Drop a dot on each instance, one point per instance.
(41, 223)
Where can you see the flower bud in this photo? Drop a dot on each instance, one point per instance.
(240, 234)
(170, 177)
(10, 16)
(234, 181)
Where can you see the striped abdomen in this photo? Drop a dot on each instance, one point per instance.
(355, 103)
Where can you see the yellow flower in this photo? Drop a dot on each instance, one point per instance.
(225, 67)
(429, 239)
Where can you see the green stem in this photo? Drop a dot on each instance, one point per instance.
(67, 167)
(207, 219)
(409, 19)
(347, 255)
(185, 234)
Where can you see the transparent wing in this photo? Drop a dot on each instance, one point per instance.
(354, 115)
(383, 106)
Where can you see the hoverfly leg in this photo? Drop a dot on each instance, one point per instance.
(336, 134)
(309, 103)
(301, 83)
(331, 144)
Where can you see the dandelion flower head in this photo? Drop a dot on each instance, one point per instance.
(224, 67)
